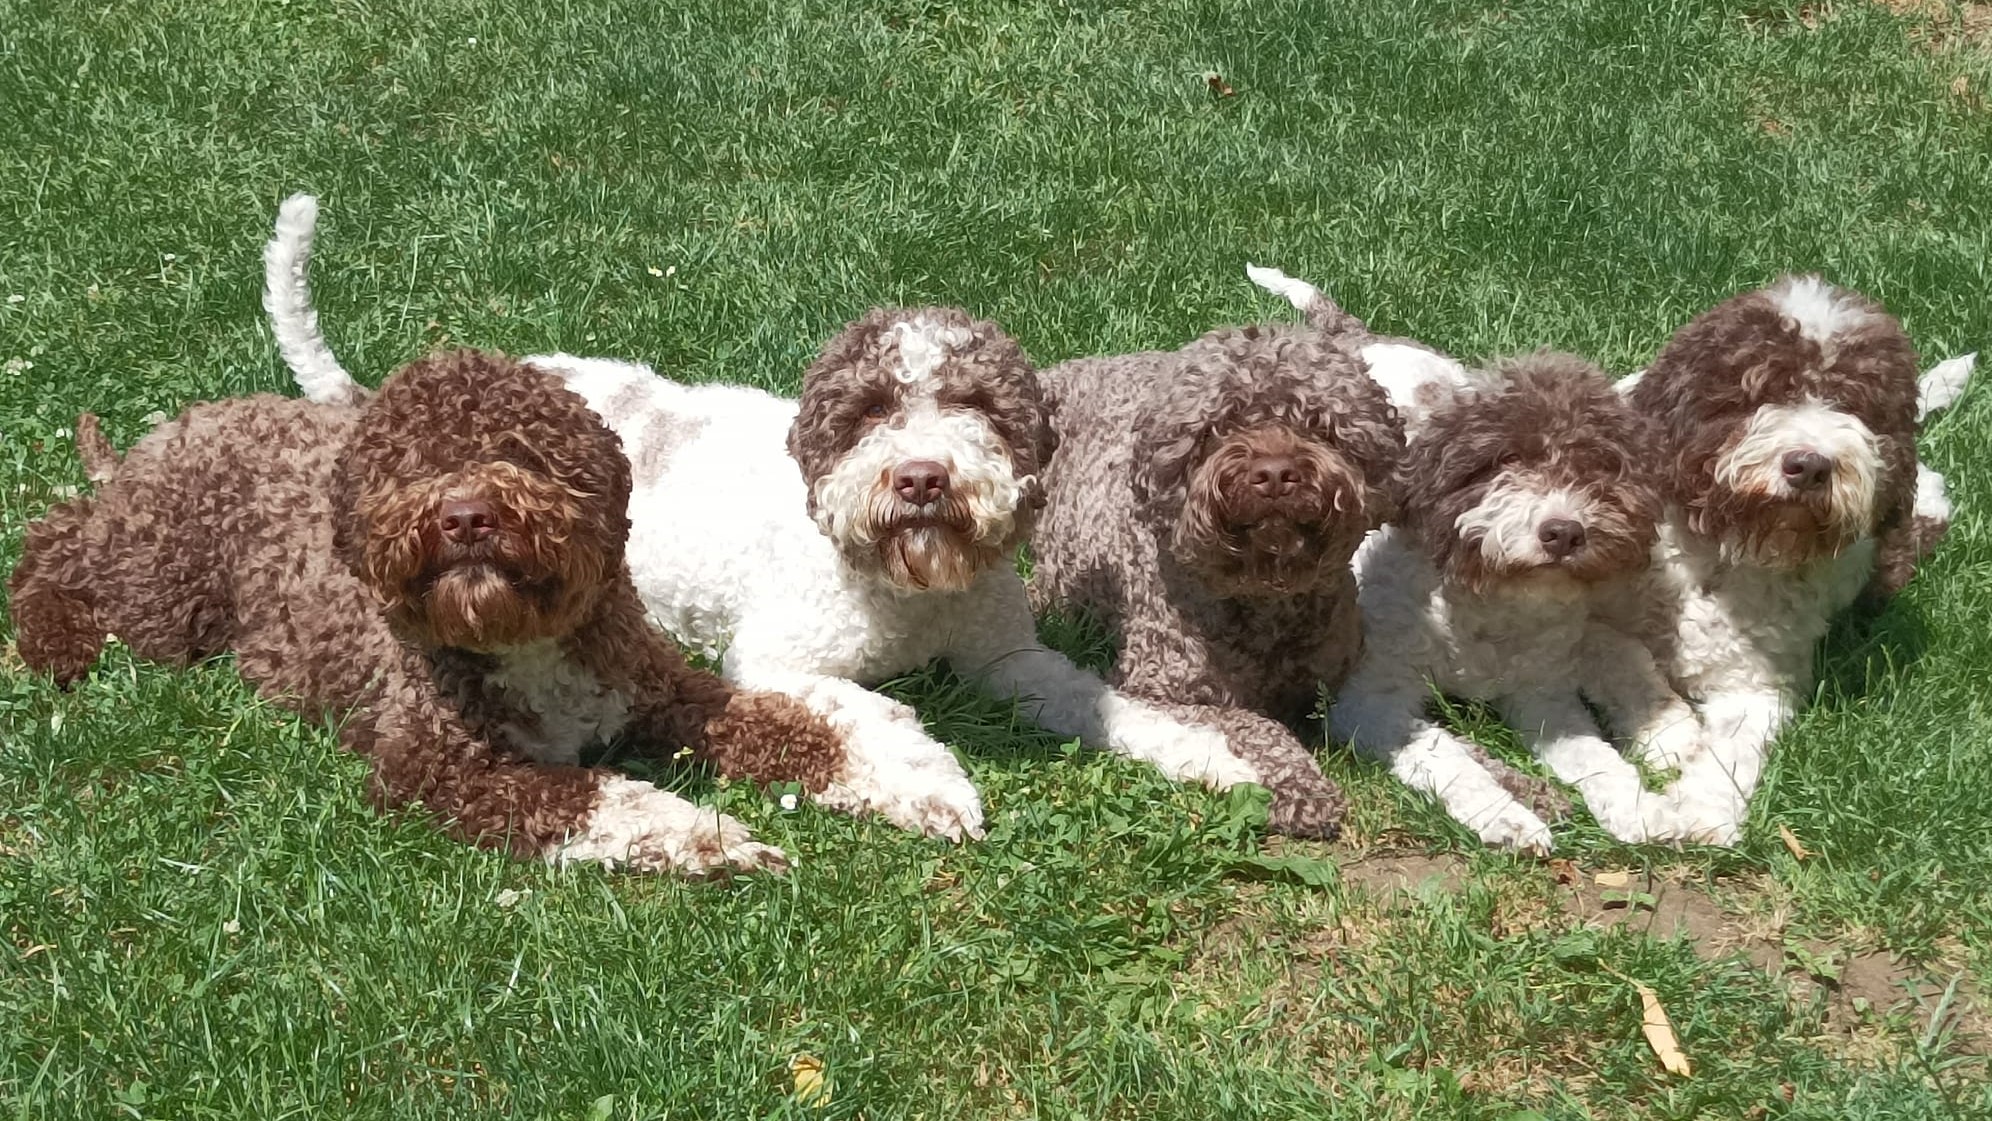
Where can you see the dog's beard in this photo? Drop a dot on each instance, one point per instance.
(937, 547)
(1772, 531)
(1239, 543)
(477, 607)
(1757, 518)
(940, 546)
(1495, 545)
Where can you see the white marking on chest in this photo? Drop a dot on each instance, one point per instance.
(923, 346)
(572, 707)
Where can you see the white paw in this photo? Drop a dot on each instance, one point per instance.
(1516, 828)
(1205, 756)
(928, 794)
(1673, 744)
(639, 828)
(1650, 817)
(923, 801)
(1712, 821)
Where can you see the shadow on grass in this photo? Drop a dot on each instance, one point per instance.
(1867, 645)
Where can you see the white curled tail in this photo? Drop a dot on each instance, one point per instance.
(287, 299)
(1320, 312)
(1942, 384)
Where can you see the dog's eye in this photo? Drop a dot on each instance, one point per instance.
(874, 413)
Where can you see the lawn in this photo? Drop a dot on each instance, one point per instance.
(201, 918)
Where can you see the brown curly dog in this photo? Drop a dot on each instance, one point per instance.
(445, 562)
(1206, 502)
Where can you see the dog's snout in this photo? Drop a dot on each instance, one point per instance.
(1806, 470)
(920, 481)
(1273, 476)
(1561, 537)
(467, 520)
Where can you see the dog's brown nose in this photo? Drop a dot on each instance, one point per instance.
(1806, 470)
(1560, 537)
(1273, 476)
(920, 481)
(467, 520)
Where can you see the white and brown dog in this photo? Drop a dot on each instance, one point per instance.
(1790, 416)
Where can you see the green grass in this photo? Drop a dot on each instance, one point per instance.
(202, 919)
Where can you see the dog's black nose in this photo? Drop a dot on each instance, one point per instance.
(1273, 476)
(920, 481)
(1561, 537)
(467, 520)
(1806, 470)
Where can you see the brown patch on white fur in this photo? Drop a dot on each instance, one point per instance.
(913, 385)
(1544, 439)
(1796, 367)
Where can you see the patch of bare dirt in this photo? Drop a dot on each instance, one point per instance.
(1938, 25)
(1863, 988)
(1404, 871)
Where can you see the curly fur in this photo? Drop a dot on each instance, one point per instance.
(306, 539)
(1545, 429)
(932, 384)
(1529, 498)
(1228, 595)
(795, 587)
(1754, 565)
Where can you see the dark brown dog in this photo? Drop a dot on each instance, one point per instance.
(446, 559)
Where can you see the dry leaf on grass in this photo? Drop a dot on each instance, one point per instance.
(1620, 878)
(1218, 86)
(1790, 839)
(1563, 870)
(811, 1088)
(1660, 1032)
(1658, 1029)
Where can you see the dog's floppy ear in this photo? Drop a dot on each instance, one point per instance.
(1377, 443)
(818, 435)
(1165, 447)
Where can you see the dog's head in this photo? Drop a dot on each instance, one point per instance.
(481, 502)
(1263, 458)
(1789, 417)
(921, 435)
(1536, 476)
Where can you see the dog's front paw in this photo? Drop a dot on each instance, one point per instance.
(1647, 817)
(1711, 821)
(931, 798)
(639, 828)
(1205, 756)
(1672, 743)
(1515, 828)
(932, 805)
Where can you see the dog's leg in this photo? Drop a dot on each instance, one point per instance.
(1306, 803)
(1562, 735)
(51, 596)
(1714, 790)
(1066, 699)
(890, 766)
(422, 752)
(1381, 714)
(1618, 674)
